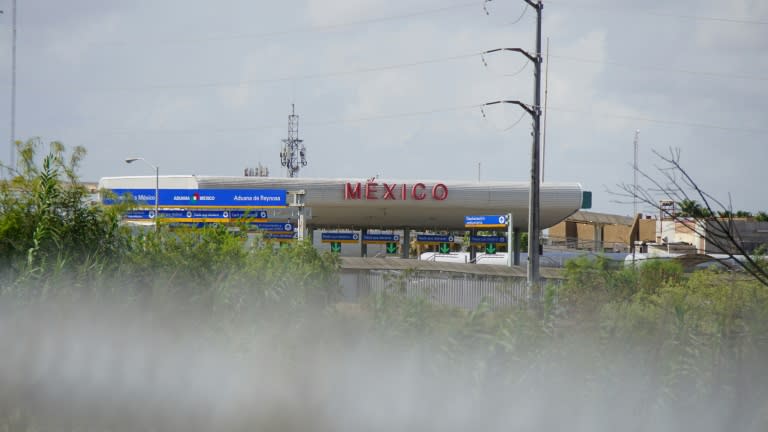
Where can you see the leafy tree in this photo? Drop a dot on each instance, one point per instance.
(46, 221)
(724, 214)
(51, 235)
(691, 208)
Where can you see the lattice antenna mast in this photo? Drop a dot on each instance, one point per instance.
(294, 154)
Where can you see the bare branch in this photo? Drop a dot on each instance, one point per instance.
(677, 185)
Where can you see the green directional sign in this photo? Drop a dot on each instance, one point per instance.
(336, 247)
(490, 249)
(445, 248)
(391, 248)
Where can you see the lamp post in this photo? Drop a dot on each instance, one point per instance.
(157, 188)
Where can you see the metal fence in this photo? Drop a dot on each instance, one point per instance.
(457, 290)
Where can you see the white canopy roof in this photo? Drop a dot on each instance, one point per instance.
(389, 203)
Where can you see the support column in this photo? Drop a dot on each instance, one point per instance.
(472, 251)
(363, 246)
(510, 237)
(516, 246)
(598, 238)
(301, 225)
(405, 247)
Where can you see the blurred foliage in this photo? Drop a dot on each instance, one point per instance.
(692, 338)
(55, 239)
(687, 337)
(48, 227)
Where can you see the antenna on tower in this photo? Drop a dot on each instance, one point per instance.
(294, 154)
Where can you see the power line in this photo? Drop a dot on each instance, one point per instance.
(614, 8)
(397, 115)
(433, 111)
(246, 83)
(664, 69)
(321, 75)
(315, 123)
(517, 72)
(515, 123)
(522, 14)
(307, 29)
(664, 121)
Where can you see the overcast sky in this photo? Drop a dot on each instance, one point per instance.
(392, 87)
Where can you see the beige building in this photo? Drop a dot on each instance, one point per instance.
(602, 232)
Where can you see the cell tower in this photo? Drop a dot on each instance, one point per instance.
(294, 154)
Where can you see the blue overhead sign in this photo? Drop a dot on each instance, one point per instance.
(380, 238)
(281, 235)
(498, 221)
(340, 237)
(434, 238)
(196, 215)
(228, 198)
(488, 239)
(272, 230)
(273, 226)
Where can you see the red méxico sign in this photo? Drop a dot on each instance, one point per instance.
(394, 191)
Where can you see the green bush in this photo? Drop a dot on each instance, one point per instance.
(53, 239)
(47, 226)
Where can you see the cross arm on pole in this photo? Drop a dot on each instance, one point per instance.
(519, 50)
(536, 4)
(530, 109)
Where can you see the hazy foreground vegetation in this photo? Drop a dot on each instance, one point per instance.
(104, 328)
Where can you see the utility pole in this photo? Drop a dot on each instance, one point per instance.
(544, 122)
(534, 201)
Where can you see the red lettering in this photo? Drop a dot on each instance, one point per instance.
(370, 189)
(443, 192)
(389, 191)
(352, 193)
(418, 196)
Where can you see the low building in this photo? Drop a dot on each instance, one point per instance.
(371, 203)
(708, 236)
(602, 232)
(353, 210)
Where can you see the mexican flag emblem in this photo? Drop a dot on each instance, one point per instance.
(195, 197)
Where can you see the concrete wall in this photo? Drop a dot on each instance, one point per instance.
(648, 230)
(751, 234)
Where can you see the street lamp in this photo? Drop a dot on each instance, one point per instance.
(157, 188)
